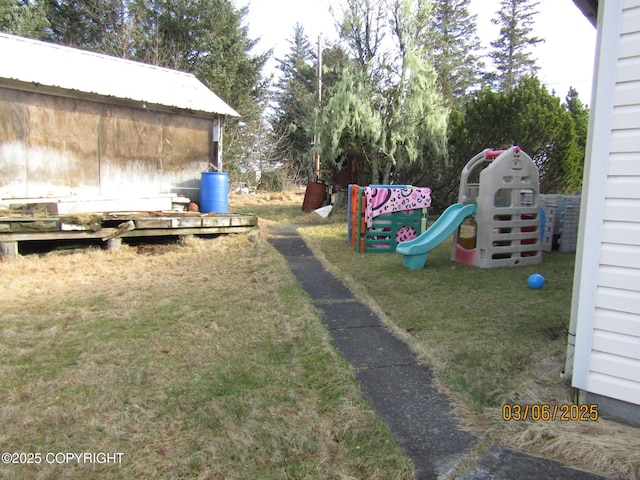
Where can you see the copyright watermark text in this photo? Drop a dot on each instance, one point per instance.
(37, 458)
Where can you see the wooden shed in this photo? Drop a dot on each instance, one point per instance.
(84, 125)
(603, 357)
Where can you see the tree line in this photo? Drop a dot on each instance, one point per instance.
(407, 94)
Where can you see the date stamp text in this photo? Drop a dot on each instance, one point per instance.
(546, 412)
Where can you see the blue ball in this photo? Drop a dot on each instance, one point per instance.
(535, 281)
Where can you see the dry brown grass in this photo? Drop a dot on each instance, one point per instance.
(206, 360)
(195, 360)
(604, 447)
(280, 207)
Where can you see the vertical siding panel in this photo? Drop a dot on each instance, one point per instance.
(130, 162)
(13, 144)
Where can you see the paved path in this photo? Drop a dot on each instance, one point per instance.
(400, 389)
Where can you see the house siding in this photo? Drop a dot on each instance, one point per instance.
(607, 360)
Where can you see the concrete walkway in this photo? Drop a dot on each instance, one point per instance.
(400, 389)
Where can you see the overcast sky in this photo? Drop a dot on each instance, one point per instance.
(566, 57)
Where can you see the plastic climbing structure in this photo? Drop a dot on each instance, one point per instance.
(496, 221)
(506, 230)
(380, 217)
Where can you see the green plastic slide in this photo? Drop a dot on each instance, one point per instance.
(416, 251)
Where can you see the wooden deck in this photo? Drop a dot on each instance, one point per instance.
(111, 228)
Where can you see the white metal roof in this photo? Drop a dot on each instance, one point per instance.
(71, 69)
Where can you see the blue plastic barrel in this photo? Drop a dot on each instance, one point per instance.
(214, 192)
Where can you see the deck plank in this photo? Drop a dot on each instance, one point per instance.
(149, 224)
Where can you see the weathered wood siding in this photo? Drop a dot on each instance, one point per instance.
(608, 309)
(54, 146)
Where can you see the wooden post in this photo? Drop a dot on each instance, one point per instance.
(185, 239)
(316, 140)
(216, 143)
(113, 243)
(8, 250)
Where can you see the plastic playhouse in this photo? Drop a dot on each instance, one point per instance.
(383, 216)
(496, 221)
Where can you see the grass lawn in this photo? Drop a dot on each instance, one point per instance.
(195, 361)
(206, 360)
(488, 337)
(482, 329)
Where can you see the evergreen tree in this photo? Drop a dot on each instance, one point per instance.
(88, 24)
(580, 124)
(511, 51)
(530, 117)
(453, 47)
(209, 39)
(334, 60)
(203, 37)
(24, 18)
(580, 114)
(296, 102)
